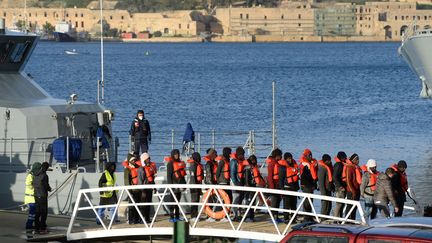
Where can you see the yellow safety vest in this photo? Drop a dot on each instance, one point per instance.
(29, 190)
(110, 182)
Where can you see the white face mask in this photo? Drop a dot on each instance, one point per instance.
(140, 117)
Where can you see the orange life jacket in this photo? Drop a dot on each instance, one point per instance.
(150, 171)
(372, 180)
(358, 173)
(329, 170)
(133, 171)
(199, 170)
(292, 172)
(276, 171)
(311, 165)
(403, 177)
(257, 176)
(179, 167)
(240, 165)
(226, 169)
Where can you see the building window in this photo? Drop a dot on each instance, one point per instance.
(188, 26)
(282, 16)
(166, 31)
(418, 17)
(76, 24)
(265, 17)
(338, 18)
(425, 17)
(299, 16)
(413, 17)
(67, 15)
(179, 26)
(82, 24)
(4, 14)
(299, 25)
(45, 14)
(247, 16)
(403, 18)
(111, 17)
(361, 18)
(395, 17)
(122, 17)
(76, 15)
(82, 15)
(241, 16)
(29, 14)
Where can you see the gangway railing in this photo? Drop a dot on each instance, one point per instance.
(264, 227)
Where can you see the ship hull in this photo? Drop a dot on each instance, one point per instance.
(63, 37)
(417, 52)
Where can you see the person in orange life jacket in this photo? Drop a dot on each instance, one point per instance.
(308, 177)
(223, 170)
(131, 170)
(273, 181)
(251, 179)
(340, 185)
(237, 179)
(368, 187)
(140, 132)
(176, 172)
(384, 193)
(147, 177)
(325, 182)
(400, 185)
(353, 177)
(196, 172)
(210, 167)
(288, 173)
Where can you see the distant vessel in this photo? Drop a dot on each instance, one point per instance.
(416, 49)
(72, 52)
(64, 32)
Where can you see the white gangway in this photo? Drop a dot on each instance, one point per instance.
(263, 228)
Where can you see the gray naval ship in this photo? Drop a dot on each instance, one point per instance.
(416, 49)
(35, 127)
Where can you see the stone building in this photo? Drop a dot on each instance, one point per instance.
(267, 21)
(389, 20)
(87, 20)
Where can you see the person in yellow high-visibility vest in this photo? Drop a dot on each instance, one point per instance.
(29, 196)
(108, 179)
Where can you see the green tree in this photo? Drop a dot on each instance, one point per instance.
(48, 28)
(20, 24)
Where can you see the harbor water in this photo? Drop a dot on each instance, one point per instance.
(357, 97)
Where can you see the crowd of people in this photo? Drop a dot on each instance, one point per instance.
(344, 178)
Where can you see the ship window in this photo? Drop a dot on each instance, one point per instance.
(18, 52)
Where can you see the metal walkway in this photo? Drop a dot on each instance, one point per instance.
(264, 226)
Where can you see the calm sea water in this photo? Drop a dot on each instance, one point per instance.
(357, 97)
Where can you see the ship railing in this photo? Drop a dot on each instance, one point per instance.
(254, 142)
(13, 149)
(409, 31)
(263, 227)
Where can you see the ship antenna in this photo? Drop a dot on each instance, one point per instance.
(101, 82)
(274, 143)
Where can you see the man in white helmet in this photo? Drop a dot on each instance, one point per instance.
(368, 187)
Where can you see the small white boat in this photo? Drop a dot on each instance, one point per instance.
(73, 52)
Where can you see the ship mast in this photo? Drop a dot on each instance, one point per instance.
(101, 82)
